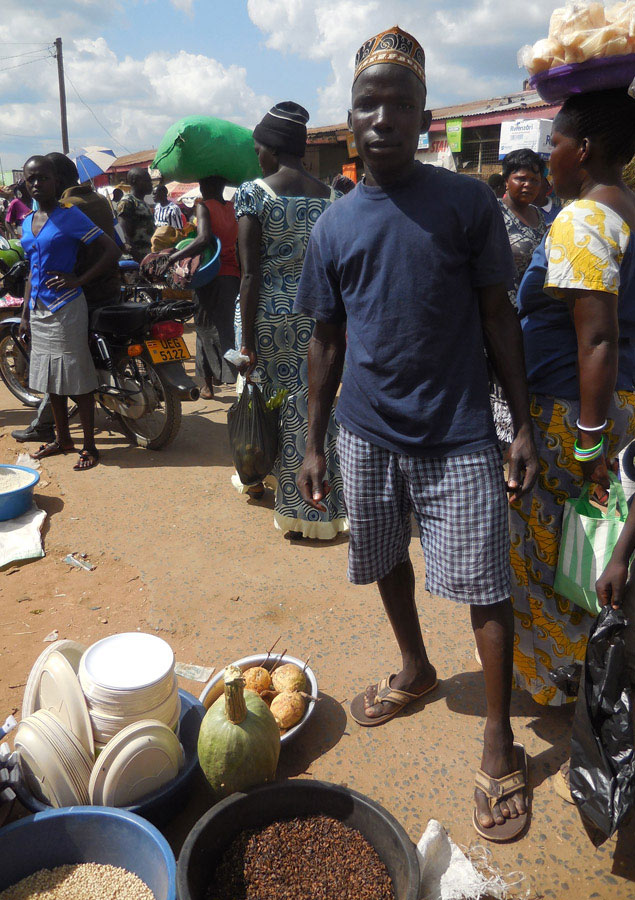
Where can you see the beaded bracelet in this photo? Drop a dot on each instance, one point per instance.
(595, 428)
(592, 453)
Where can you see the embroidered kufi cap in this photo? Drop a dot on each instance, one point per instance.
(392, 46)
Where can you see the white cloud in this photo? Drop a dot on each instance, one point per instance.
(470, 47)
(470, 44)
(43, 20)
(137, 99)
(186, 6)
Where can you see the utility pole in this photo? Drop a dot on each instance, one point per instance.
(60, 78)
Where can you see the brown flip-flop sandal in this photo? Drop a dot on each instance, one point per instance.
(401, 699)
(496, 789)
(53, 448)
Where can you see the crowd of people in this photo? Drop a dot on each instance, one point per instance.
(425, 299)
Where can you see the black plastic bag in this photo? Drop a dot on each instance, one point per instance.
(602, 773)
(567, 678)
(253, 435)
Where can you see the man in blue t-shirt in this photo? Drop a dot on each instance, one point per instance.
(406, 277)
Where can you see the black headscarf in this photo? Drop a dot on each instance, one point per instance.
(284, 128)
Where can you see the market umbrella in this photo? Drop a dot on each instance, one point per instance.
(177, 189)
(93, 161)
(191, 192)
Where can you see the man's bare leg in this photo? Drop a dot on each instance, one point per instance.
(397, 591)
(494, 631)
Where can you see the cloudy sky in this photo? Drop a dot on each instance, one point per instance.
(135, 66)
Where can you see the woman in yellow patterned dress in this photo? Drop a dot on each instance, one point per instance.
(577, 307)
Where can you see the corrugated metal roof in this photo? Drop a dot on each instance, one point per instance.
(519, 100)
(132, 159)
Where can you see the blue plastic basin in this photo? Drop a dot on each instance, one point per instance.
(82, 834)
(207, 272)
(161, 805)
(15, 503)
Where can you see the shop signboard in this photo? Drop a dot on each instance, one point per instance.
(454, 129)
(526, 134)
(349, 170)
(437, 154)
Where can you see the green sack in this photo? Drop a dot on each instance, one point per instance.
(589, 536)
(199, 146)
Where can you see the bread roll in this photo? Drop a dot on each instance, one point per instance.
(545, 54)
(609, 41)
(572, 43)
(582, 31)
(621, 14)
(580, 17)
(555, 23)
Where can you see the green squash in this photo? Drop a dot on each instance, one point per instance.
(239, 740)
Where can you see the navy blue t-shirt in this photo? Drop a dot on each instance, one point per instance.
(401, 268)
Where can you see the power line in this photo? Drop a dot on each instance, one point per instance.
(24, 43)
(13, 134)
(27, 53)
(93, 114)
(27, 63)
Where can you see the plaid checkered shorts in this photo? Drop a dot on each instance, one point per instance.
(460, 506)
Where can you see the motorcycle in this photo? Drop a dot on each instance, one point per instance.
(11, 252)
(138, 351)
(134, 287)
(14, 365)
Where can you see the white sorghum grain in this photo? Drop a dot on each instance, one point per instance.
(86, 881)
(12, 479)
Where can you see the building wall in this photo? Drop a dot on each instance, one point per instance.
(325, 161)
(479, 151)
(478, 156)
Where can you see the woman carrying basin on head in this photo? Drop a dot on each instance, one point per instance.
(276, 215)
(577, 308)
(214, 318)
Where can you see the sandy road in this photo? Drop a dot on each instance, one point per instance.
(180, 553)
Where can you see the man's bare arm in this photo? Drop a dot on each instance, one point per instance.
(326, 362)
(504, 345)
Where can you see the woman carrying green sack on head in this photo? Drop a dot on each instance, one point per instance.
(214, 316)
(216, 153)
(577, 308)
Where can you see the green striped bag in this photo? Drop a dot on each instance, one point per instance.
(589, 536)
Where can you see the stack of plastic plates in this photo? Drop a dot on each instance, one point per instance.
(60, 693)
(71, 650)
(127, 678)
(53, 762)
(141, 759)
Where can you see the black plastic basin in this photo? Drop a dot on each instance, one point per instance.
(215, 831)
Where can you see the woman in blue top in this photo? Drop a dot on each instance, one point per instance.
(55, 308)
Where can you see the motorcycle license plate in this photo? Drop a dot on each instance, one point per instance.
(169, 350)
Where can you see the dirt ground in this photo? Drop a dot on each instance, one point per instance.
(178, 552)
